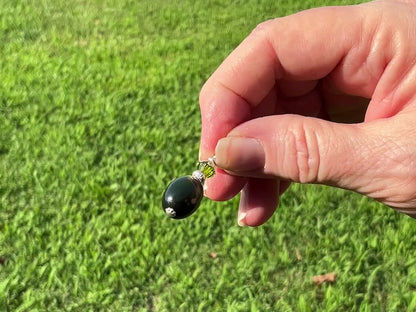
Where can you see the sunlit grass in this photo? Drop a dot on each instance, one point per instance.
(98, 112)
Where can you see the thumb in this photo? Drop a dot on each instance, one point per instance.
(371, 158)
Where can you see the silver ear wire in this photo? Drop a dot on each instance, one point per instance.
(212, 160)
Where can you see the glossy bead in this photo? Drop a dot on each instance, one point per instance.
(182, 197)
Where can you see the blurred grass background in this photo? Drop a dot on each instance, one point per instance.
(98, 112)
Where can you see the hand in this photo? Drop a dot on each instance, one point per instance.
(277, 108)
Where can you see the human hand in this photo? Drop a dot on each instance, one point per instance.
(277, 108)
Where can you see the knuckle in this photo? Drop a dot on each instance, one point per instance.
(303, 147)
(263, 28)
(264, 34)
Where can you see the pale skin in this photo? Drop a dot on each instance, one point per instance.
(324, 96)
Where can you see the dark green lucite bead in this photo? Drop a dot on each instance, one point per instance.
(182, 197)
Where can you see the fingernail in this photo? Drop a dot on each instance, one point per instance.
(239, 154)
(242, 219)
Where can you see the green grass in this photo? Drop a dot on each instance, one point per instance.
(98, 112)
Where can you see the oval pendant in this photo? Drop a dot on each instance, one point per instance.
(182, 197)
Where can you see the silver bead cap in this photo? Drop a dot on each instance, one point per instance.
(170, 212)
(199, 176)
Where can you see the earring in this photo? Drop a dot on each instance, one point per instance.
(183, 195)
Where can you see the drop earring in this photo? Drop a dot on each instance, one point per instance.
(183, 195)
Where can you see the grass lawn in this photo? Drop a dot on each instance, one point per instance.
(98, 112)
